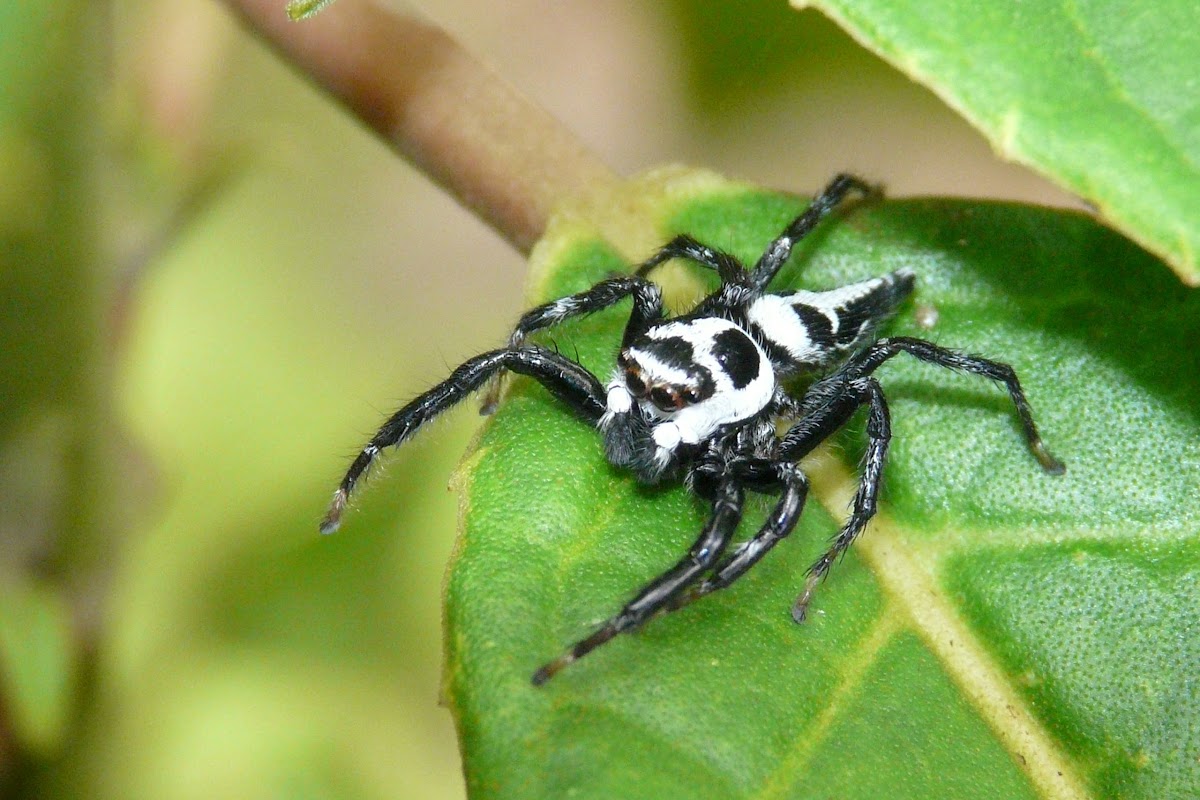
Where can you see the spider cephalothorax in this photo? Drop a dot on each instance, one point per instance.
(677, 384)
(701, 397)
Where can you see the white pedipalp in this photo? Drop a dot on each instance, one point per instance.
(618, 400)
(667, 435)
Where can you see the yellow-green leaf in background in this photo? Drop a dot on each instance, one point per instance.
(37, 664)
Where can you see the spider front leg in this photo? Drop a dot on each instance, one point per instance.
(569, 381)
(780, 250)
(683, 246)
(647, 307)
(659, 593)
(778, 526)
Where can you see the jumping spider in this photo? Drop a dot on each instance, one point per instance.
(699, 396)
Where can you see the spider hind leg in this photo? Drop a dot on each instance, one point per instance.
(830, 402)
(868, 360)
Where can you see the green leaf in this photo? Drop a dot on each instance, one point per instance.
(753, 46)
(1102, 99)
(997, 632)
(37, 670)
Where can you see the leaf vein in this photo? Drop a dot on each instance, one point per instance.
(911, 587)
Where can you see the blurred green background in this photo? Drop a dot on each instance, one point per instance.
(214, 284)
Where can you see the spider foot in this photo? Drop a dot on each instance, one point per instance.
(576, 652)
(489, 398)
(333, 517)
(800, 607)
(1049, 463)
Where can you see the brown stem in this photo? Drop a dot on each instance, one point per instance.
(452, 117)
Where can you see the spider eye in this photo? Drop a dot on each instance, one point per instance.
(691, 396)
(665, 399)
(637, 386)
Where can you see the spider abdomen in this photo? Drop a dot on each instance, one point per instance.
(804, 330)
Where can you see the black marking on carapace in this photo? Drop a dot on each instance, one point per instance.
(674, 351)
(738, 356)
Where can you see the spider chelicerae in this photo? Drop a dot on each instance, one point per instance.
(702, 397)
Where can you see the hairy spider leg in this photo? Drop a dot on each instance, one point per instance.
(779, 524)
(683, 246)
(869, 359)
(570, 382)
(780, 250)
(647, 307)
(828, 405)
(658, 594)
(851, 395)
(740, 289)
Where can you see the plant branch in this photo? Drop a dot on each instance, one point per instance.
(449, 115)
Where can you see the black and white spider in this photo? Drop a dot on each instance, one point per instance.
(701, 396)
